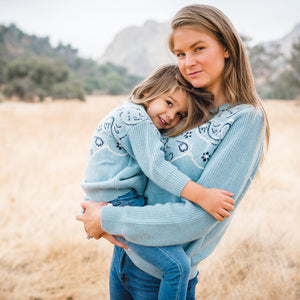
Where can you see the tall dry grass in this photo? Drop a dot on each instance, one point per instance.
(44, 253)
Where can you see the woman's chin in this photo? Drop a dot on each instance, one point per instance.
(196, 83)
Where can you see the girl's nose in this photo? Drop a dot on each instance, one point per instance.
(170, 115)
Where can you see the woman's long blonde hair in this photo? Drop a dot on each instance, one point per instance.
(165, 80)
(238, 83)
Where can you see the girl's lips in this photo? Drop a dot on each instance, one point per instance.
(162, 122)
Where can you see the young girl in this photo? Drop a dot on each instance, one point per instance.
(126, 147)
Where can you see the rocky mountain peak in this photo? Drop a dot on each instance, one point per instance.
(140, 49)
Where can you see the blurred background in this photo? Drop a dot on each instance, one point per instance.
(54, 53)
(69, 49)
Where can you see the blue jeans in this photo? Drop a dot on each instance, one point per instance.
(172, 260)
(128, 282)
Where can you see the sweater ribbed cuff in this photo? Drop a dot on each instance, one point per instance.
(176, 184)
(108, 216)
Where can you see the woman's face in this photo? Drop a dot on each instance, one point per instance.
(200, 57)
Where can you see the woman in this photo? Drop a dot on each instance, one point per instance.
(224, 152)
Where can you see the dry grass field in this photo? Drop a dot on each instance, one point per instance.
(44, 254)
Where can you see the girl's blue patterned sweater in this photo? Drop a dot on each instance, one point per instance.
(125, 143)
(222, 153)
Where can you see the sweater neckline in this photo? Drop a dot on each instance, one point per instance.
(219, 108)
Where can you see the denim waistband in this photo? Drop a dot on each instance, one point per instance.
(129, 199)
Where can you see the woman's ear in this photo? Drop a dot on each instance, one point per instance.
(226, 53)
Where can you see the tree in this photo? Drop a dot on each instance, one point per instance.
(287, 85)
(264, 61)
(30, 77)
(93, 78)
(294, 60)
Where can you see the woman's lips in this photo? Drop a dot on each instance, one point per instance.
(193, 74)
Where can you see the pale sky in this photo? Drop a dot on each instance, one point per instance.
(90, 25)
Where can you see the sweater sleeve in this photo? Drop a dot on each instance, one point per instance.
(232, 167)
(145, 146)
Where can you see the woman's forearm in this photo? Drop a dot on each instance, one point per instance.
(232, 167)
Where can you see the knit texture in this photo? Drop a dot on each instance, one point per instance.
(125, 148)
(222, 153)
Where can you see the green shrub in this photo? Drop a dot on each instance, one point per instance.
(30, 77)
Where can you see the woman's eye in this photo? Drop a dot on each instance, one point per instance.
(199, 49)
(169, 103)
(180, 54)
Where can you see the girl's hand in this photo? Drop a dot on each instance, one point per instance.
(218, 203)
(215, 201)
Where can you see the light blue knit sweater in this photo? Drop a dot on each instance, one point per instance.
(222, 153)
(125, 143)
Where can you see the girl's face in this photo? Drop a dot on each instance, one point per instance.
(200, 57)
(167, 110)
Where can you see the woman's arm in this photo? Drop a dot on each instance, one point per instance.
(232, 167)
(144, 144)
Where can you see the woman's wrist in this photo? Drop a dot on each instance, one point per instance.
(110, 219)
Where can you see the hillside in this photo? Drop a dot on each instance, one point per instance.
(94, 77)
(134, 53)
(285, 43)
(15, 43)
(145, 47)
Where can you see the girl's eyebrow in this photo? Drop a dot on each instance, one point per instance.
(172, 98)
(191, 46)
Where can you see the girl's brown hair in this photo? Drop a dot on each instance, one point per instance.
(165, 80)
(238, 83)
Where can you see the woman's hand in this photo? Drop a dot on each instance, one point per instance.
(91, 219)
(113, 240)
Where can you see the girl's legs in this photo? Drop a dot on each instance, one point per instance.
(128, 282)
(171, 261)
(129, 199)
(191, 291)
(173, 264)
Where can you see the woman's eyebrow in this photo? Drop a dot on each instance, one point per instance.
(191, 46)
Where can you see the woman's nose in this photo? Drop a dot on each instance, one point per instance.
(189, 60)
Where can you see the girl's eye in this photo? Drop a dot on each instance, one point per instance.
(180, 115)
(169, 103)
